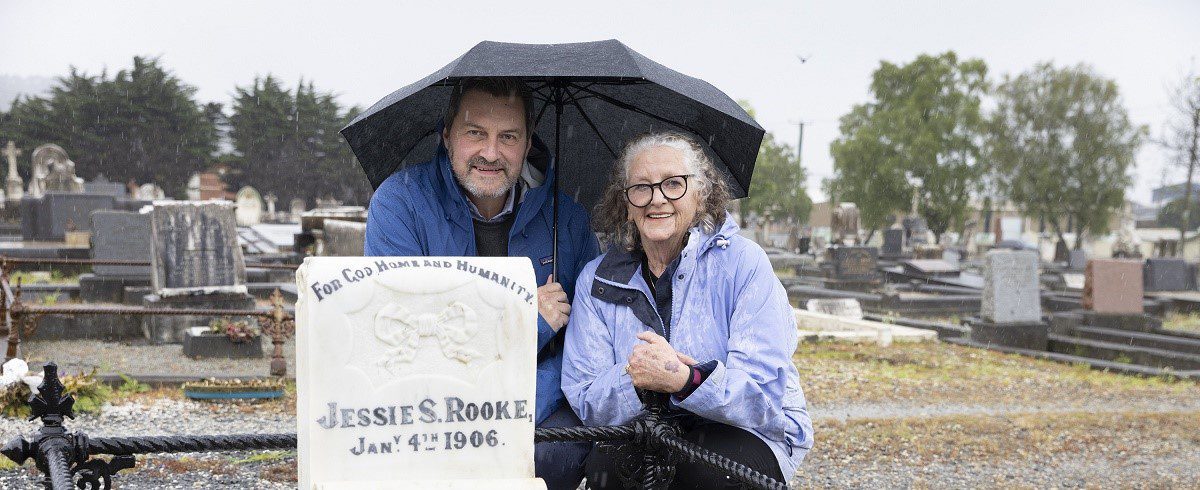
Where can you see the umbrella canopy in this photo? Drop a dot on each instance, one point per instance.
(590, 98)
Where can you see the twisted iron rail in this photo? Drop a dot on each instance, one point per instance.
(65, 457)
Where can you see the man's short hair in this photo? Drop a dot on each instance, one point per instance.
(496, 87)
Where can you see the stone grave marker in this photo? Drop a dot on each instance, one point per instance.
(855, 263)
(1076, 260)
(893, 242)
(1010, 306)
(249, 206)
(344, 238)
(117, 235)
(1113, 286)
(121, 235)
(416, 372)
(1164, 274)
(49, 217)
(1073, 280)
(839, 307)
(195, 263)
(195, 246)
(1010, 287)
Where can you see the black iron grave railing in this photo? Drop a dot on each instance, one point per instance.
(650, 446)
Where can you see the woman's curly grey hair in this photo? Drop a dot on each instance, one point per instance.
(611, 218)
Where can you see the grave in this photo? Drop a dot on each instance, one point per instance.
(893, 243)
(49, 217)
(118, 235)
(839, 307)
(102, 186)
(1076, 260)
(1010, 308)
(1163, 274)
(931, 268)
(1113, 287)
(344, 238)
(249, 207)
(415, 372)
(853, 267)
(195, 263)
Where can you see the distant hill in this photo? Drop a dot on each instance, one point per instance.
(13, 85)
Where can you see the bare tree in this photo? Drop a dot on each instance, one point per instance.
(1181, 139)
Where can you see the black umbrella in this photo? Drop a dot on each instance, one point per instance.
(599, 95)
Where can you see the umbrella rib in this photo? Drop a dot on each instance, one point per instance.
(592, 125)
(631, 107)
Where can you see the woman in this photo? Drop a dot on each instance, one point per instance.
(682, 304)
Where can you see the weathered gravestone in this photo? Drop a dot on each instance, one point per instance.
(839, 307)
(196, 262)
(52, 215)
(855, 263)
(852, 268)
(249, 207)
(1163, 274)
(117, 235)
(893, 242)
(344, 238)
(1113, 286)
(415, 372)
(1010, 307)
(1076, 260)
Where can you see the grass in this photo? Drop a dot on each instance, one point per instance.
(1010, 438)
(932, 372)
(264, 457)
(56, 277)
(1182, 322)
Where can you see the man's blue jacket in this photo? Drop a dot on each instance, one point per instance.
(421, 211)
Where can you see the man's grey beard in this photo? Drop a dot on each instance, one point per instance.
(474, 190)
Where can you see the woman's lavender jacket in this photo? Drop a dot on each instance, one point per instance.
(728, 306)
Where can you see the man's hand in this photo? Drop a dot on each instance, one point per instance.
(656, 366)
(552, 304)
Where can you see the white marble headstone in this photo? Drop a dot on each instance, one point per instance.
(416, 372)
(1011, 291)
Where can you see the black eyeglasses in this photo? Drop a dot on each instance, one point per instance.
(672, 188)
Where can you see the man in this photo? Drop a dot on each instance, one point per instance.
(487, 193)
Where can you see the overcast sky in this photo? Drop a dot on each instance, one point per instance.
(364, 50)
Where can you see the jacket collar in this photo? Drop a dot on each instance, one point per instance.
(620, 266)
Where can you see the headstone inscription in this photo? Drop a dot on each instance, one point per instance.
(1113, 286)
(415, 372)
(855, 263)
(195, 246)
